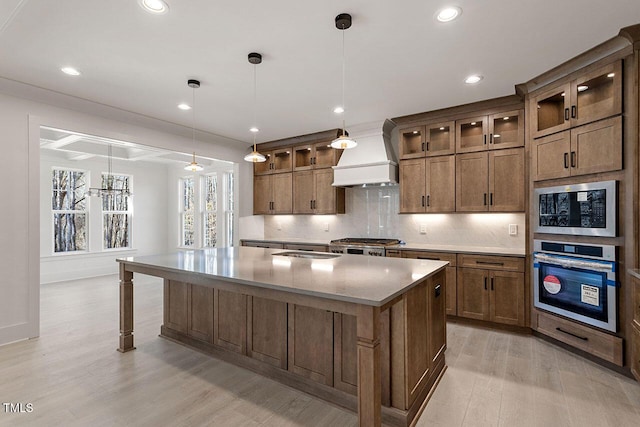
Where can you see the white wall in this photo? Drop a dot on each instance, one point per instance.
(23, 109)
(148, 224)
(373, 212)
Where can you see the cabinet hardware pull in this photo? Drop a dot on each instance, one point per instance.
(485, 283)
(427, 145)
(572, 334)
(485, 199)
(428, 257)
(566, 160)
(437, 290)
(492, 283)
(490, 262)
(423, 147)
(566, 114)
(310, 204)
(423, 201)
(490, 138)
(491, 199)
(429, 200)
(573, 111)
(573, 159)
(485, 139)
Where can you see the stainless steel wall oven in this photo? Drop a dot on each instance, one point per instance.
(577, 281)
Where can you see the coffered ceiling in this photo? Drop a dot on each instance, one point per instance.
(399, 59)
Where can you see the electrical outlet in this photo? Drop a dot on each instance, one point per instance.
(326, 226)
(513, 229)
(423, 228)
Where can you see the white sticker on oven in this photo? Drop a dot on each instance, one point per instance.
(590, 295)
(552, 284)
(582, 196)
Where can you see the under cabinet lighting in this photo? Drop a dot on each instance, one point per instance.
(582, 88)
(70, 71)
(611, 75)
(473, 123)
(496, 136)
(415, 132)
(442, 128)
(506, 118)
(562, 94)
(448, 14)
(473, 79)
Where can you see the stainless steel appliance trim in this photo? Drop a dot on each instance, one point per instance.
(608, 231)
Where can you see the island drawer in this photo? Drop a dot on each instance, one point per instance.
(436, 256)
(306, 247)
(261, 244)
(491, 262)
(600, 344)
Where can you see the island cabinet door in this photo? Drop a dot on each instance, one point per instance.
(200, 313)
(345, 359)
(230, 321)
(267, 331)
(176, 305)
(410, 347)
(436, 302)
(311, 343)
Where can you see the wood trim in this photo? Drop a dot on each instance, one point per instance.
(326, 135)
(486, 107)
(631, 33)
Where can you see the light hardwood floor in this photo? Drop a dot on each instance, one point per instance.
(73, 376)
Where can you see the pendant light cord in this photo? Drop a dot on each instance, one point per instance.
(193, 116)
(255, 103)
(343, 84)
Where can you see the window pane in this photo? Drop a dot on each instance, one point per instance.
(187, 194)
(210, 234)
(211, 184)
(116, 231)
(69, 232)
(115, 202)
(187, 229)
(230, 179)
(230, 234)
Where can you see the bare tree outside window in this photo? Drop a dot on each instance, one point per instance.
(116, 215)
(69, 208)
(187, 225)
(210, 210)
(229, 207)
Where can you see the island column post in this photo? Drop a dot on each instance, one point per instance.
(126, 309)
(369, 371)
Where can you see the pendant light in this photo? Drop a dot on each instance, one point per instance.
(254, 156)
(108, 189)
(193, 84)
(343, 21)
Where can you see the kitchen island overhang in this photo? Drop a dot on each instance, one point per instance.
(336, 327)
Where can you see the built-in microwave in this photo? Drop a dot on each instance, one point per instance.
(587, 209)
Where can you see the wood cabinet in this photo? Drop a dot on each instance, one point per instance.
(189, 309)
(491, 288)
(314, 193)
(278, 161)
(635, 336)
(427, 185)
(306, 247)
(272, 194)
(315, 156)
(230, 321)
(450, 271)
(261, 244)
(345, 375)
(267, 331)
(496, 131)
(593, 96)
(592, 148)
(176, 299)
(311, 343)
(490, 181)
(432, 139)
(437, 303)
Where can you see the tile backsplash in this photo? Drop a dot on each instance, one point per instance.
(373, 212)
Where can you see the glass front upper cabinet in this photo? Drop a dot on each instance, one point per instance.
(412, 142)
(440, 139)
(471, 134)
(506, 130)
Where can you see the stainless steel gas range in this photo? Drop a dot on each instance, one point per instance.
(362, 246)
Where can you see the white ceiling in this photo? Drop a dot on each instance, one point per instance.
(399, 60)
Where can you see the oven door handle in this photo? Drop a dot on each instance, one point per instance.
(570, 262)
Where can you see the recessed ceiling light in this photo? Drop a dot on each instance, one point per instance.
(70, 71)
(472, 79)
(582, 88)
(254, 129)
(448, 14)
(184, 106)
(610, 75)
(154, 6)
(338, 110)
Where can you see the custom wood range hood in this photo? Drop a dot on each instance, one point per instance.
(372, 161)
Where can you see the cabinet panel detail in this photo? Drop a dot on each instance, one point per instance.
(267, 331)
(310, 341)
(230, 321)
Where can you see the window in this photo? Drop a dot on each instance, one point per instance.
(69, 208)
(229, 207)
(187, 227)
(116, 212)
(210, 210)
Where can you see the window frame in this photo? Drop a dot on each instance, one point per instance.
(85, 212)
(128, 212)
(204, 211)
(182, 211)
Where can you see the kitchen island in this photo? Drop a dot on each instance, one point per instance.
(365, 333)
